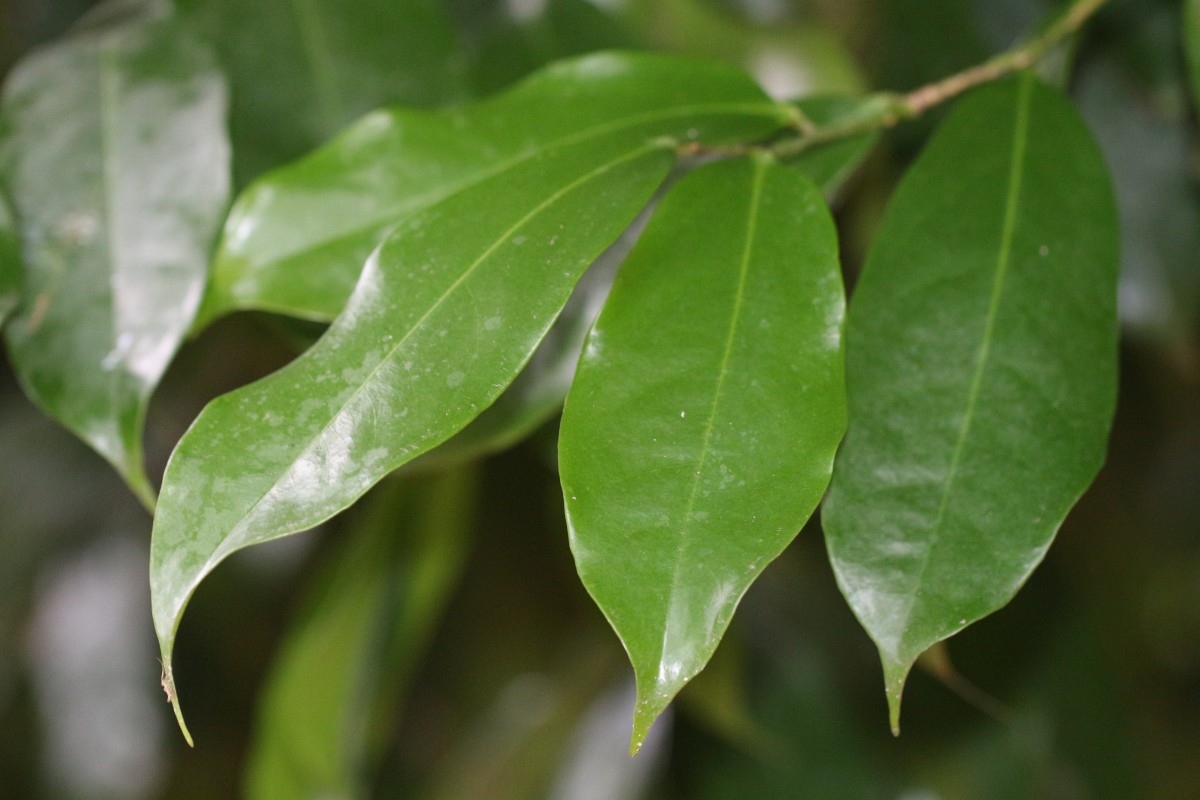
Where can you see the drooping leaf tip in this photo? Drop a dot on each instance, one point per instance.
(895, 673)
(168, 686)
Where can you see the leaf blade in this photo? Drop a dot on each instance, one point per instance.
(268, 261)
(332, 691)
(654, 499)
(928, 524)
(255, 466)
(119, 208)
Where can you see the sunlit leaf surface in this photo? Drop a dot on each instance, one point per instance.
(117, 162)
(446, 312)
(981, 370)
(332, 694)
(699, 433)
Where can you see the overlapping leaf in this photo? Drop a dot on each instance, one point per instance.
(981, 369)
(301, 70)
(323, 719)
(119, 207)
(447, 311)
(296, 241)
(700, 430)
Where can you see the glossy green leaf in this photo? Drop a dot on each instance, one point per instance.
(831, 164)
(331, 697)
(295, 242)
(10, 263)
(301, 70)
(119, 208)
(981, 369)
(447, 311)
(700, 430)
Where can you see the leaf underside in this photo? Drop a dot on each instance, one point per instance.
(699, 433)
(981, 371)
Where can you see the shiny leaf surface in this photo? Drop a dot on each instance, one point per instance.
(981, 370)
(333, 690)
(296, 241)
(447, 311)
(119, 208)
(700, 430)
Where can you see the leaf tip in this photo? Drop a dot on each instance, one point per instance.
(650, 707)
(168, 686)
(895, 673)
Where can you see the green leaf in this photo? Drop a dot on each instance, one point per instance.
(981, 369)
(447, 311)
(700, 430)
(295, 242)
(1191, 46)
(10, 263)
(831, 165)
(301, 70)
(118, 208)
(537, 393)
(332, 693)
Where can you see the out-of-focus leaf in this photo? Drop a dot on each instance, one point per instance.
(447, 311)
(1148, 148)
(301, 70)
(981, 368)
(517, 46)
(788, 59)
(116, 158)
(699, 433)
(1191, 43)
(830, 165)
(333, 692)
(10, 263)
(295, 242)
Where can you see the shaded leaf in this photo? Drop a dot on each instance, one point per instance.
(981, 369)
(447, 311)
(516, 44)
(830, 165)
(295, 242)
(330, 700)
(1191, 46)
(10, 263)
(118, 209)
(699, 433)
(301, 70)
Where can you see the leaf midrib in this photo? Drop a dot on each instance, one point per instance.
(221, 551)
(420, 202)
(1016, 166)
(722, 373)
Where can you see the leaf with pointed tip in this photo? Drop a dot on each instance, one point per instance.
(448, 309)
(301, 70)
(10, 263)
(295, 241)
(331, 695)
(981, 369)
(118, 210)
(700, 431)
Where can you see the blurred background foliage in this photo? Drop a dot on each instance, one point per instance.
(434, 642)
